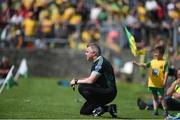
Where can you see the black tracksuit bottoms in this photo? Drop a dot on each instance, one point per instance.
(95, 96)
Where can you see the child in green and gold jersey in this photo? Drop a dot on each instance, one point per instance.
(158, 74)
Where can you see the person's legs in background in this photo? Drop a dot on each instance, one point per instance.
(172, 104)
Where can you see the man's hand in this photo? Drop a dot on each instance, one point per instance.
(72, 82)
(139, 64)
(176, 95)
(135, 63)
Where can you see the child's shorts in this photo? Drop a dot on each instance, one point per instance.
(156, 91)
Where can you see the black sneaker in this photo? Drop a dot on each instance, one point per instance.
(113, 110)
(98, 111)
(141, 104)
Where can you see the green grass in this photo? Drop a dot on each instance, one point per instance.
(43, 98)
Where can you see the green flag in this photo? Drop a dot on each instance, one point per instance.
(131, 41)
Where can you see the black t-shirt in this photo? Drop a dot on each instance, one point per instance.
(105, 69)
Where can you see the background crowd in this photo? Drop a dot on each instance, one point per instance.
(50, 23)
(45, 24)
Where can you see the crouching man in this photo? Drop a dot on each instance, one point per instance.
(99, 88)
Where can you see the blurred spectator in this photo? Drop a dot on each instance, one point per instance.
(16, 19)
(113, 53)
(141, 12)
(4, 68)
(5, 14)
(83, 11)
(29, 27)
(89, 34)
(95, 12)
(151, 6)
(56, 19)
(103, 15)
(46, 27)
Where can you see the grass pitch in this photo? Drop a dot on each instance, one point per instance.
(43, 98)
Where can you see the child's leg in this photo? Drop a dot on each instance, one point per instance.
(155, 103)
(164, 105)
(163, 102)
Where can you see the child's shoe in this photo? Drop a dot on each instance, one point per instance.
(155, 112)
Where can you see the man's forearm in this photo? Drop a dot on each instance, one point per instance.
(84, 80)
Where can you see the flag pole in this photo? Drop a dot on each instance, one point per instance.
(16, 76)
(7, 78)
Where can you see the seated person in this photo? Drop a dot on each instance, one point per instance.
(4, 68)
(172, 98)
